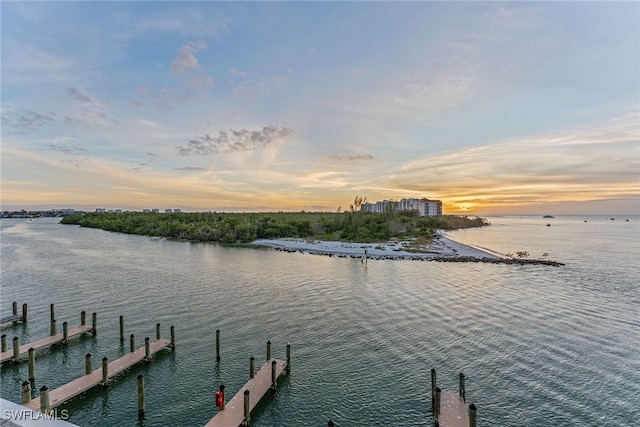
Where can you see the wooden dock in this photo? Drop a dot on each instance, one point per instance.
(45, 342)
(233, 413)
(82, 384)
(15, 316)
(453, 410)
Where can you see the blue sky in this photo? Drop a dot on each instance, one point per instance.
(491, 107)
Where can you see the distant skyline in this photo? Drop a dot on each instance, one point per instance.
(490, 107)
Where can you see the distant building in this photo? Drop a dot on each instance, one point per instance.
(425, 207)
(155, 210)
(168, 211)
(146, 210)
(100, 210)
(177, 210)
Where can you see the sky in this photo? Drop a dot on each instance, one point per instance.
(491, 107)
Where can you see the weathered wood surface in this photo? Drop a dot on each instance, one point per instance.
(233, 413)
(45, 342)
(86, 382)
(453, 410)
(11, 319)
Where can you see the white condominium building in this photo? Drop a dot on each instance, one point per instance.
(425, 207)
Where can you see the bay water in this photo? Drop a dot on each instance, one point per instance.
(539, 345)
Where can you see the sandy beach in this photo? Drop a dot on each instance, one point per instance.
(440, 247)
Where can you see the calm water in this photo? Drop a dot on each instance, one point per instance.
(539, 345)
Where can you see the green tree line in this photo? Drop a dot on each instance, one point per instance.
(354, 225)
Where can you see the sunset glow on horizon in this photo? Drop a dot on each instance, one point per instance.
(492, 108)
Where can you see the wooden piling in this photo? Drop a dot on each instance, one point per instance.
(433, 389)
(132, 343)
(461, 390)
(288, 368)
(32, 364)
(105, 372)
(54, 328)
(141, 396)
(269, 350)
(87, 364)
(94, 323)
(16, 349)
(330, 424)
(83, 318)
(472, 415)
(4, 342)
(53, 314)
(274, 376)
(217, 345)
(436, 409)
(24, 313)
(173, 338)
(44, 399)
(157, 331)
(121, 328)
(147, 350)
(252, 367)
(247, 408)
(14, 308)
(65, 333)
(26, 392)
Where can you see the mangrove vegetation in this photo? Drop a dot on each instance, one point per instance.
(354, 225)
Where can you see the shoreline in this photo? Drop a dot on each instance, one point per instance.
(441, 247)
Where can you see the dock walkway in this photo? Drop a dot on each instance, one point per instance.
(453, 410)
(45, 342)
(82, 384)
(233, 413)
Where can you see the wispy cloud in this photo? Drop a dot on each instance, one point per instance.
(235, 140)
(27, 119)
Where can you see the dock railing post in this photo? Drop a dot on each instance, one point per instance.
(132, 343)
(65, 333)
(252, 367)
(44, 400)
(436, 410)
(472, 415)
(157, 331)
(461, 390)
(83, 318)
(16, 350)
(288, 367)
(140, 396)
(54, 328)
(247, 411)
(274, 378)
(87, 364)
(26, 392)
(4, 342)
(105, 372)
(433, 389)
(147, 350)
(24, 313)
(217, 345)
(32, 364)
(269, 350)
(173, 338)
(121, 328)
(94, 323)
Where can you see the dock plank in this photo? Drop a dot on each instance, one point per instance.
(11, 319)
(84, 383)
(45, 342)
(453, 410)
(258, 386)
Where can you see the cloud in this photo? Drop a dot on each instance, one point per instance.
(71, 151)
(352, 157)
(235, 140)
(191, 168)
(78, 95)
(186, 58)
(28, 119)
